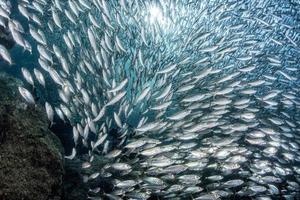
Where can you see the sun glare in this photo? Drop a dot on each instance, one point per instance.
(156, 15)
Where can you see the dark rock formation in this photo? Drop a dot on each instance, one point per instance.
(31, 157)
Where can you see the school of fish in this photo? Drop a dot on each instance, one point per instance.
(203, 96)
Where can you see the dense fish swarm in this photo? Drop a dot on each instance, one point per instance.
(186, 99)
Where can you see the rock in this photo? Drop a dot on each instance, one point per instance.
(31, 157)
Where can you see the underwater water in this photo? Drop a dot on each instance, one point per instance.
(178, 99)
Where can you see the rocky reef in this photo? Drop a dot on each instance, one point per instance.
(31, 157)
